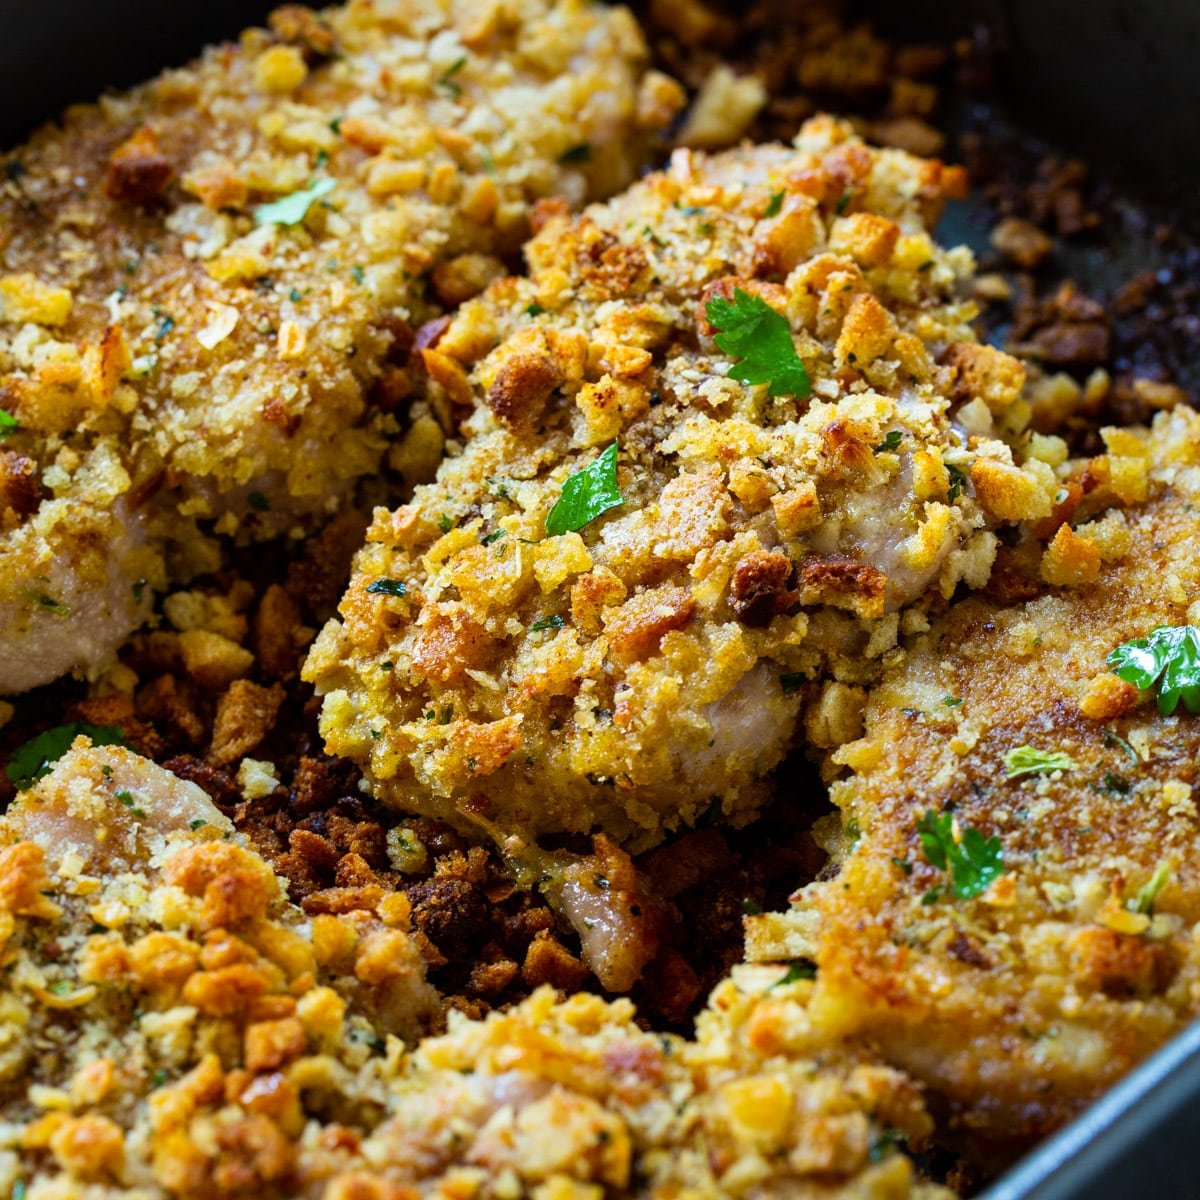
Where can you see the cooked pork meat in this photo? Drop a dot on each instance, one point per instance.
(172, 1027)
(1019, 977)
(221, 272)
(603, 611)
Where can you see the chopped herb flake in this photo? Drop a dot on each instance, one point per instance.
(50, 604)
(796, 972)
(534, 310)
(35, 758)
(952, 701)
(1170, 656)
(761, 339)
(973, 861)
(576, 154)
(554, 622)
(126, 798)
(446, 78)
(164, 327)
(890, 443)
(958, 482)
(1027, 760)
(386, 587)
(774, 204)
(8, 424)
(494, 536)
(586, 495)
(357, 273)
(198, 823)
(792, 681)
(258, 502)
(1147, 894)
(1115, 739)
(444, 523)
(61, 987)
(292, 209)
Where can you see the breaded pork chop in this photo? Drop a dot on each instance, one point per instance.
(603, 612)
(173, 1027)
(170, 1020)
(1021, 996)
(203, 281)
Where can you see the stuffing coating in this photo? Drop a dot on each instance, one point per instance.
(649, 667)
(209, 285)
(1022, 1004)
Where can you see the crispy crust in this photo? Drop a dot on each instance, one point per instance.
(1022, 1005)
(142, 299)
(630, 671)
(174, 1028)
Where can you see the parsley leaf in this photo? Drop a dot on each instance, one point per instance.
(1027, 760)
(974, 862)
(890, 442)
(792, 681)
(556, 621)
(576, 154)
(958, 482)
(8, 424)
(292, 209)
(35, 758)
(386, 587)
(446, 78)
(753, 332)
(1170, 655)
(774, 204)
(1147, 894)
(586, 495)
(798, 970)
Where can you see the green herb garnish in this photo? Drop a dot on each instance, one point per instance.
(774, 204)
(952, 701)
(164, 327)
(554, 622)
(1170, 656)
(494, 536)
(973, 861)
(292, 209)
(754, 333)
(50, 604)
(1147, 894)
(792, 681)
(35, 758)
(198, 823)
(586, 494)
(444, 523)
(446, 78)
(534, 310)
(1027, 760)
(890, 443)
(258, 502)
(576, 154)
(8, 424)
(797, 971)
(386, 587)
(958, 482)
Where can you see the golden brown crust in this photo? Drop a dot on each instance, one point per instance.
(1023, 1003)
